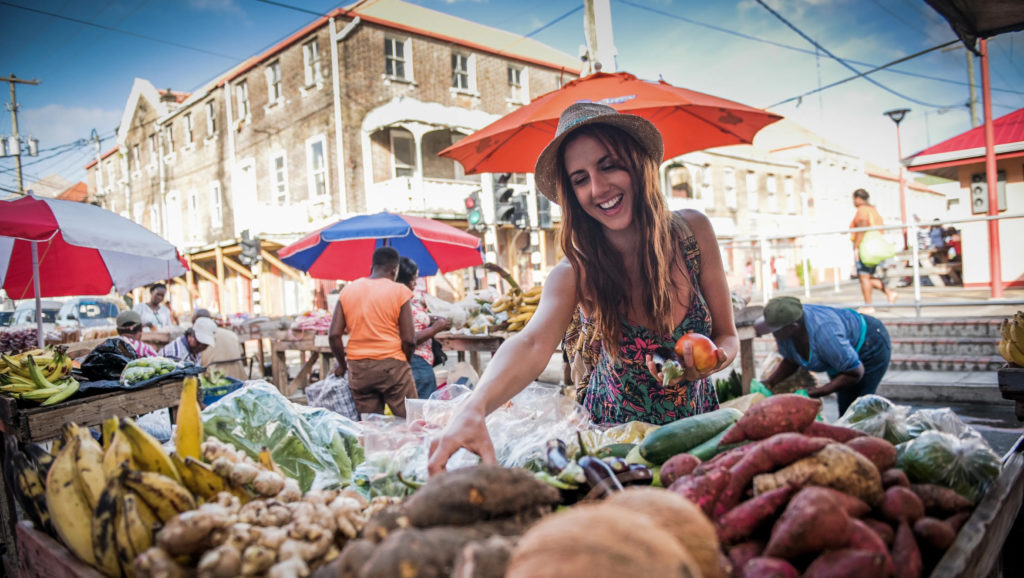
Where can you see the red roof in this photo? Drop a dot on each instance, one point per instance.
(103, 156)
(969, 147)
(78, 192)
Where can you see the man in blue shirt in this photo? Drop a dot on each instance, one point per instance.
(854, 349)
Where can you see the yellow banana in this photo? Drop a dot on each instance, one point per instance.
(40, 393)
(1016, 355)
(37, 375)
(69, 509)
(535, 290)
(117, 456)
(1004, 350)
(89, 466)
(148, 454)
(206, 483)
(104, 528)
(526, 309)
(513, 327)
(32, 489)
(189, 434)
(123, 544)
(187, 479)
(532, 299)
(267, 460)
(1017, 332)
(140, 534)
(69, 389)
(500, 305)
(521, 318)
(14, 367)
(108, 428)
(17, 388)
(41, 459)
(164, 495)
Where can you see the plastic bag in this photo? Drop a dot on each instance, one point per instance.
(146, 368)
(316, 447)
(967, 465)
(874, 248)
(632, 432)
(396, 456)
(877, 416)
(943, 419)
(334, 394)
(108, 359)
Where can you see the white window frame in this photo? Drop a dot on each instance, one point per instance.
(275, 91)
(242, 97)
(136, 161)
(211, 119)
(153, 153)
(707, 188)
(311, 62)
(469, 72)
(771, 185)
(729, 184)
(405, 60)
(789, 186)
(174, 225)
(169, 137)
(395, 166)
(193, 215)
(315, 172)
(518, 84)
(216, 206)
(154, 220)
(752, 191)
(189, 131)
(279, 179)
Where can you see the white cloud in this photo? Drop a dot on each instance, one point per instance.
(56, 124)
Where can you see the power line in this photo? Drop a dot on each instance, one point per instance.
(118, 30)
(843, 62)
(290, 7)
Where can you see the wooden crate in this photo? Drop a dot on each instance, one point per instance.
(40, 556)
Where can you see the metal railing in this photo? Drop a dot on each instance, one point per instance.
(764, 246)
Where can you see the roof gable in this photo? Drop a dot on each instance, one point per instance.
(1008, 132)
(141, 89)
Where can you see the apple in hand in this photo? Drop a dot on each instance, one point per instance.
(705, 352)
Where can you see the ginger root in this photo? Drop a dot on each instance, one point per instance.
(224, 561)
(289, 568)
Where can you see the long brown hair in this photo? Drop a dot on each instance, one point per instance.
(598, 265)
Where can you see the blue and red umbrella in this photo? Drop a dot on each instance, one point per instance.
(344, 250)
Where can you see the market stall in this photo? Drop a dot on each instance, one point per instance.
(461, 343)
(311, 348)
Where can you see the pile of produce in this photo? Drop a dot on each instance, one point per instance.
(12, 342)
(519, 306)
(40, 376)
(1011, 343)
(143, 368)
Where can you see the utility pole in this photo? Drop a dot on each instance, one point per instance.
(100, 195)
(597, 28)
(970, 80)
(15, 139)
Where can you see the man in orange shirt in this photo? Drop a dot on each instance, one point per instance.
(377, 313)
(867, 216)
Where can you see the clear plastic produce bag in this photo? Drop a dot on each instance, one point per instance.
(967, 465)
(877, 416)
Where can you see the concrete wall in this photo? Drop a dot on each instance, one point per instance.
(975, 239)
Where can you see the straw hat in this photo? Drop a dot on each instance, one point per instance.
(582, 114)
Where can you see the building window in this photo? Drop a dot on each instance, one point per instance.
(790, 192)
(679, 183)
(752, 192)
(707, 188)
(517, 90)
(242, 93)
(462, 72)
(216, 206)
(193, 215)
(188, 129)
(154, 220)
(729, 178)
(279, 179)
(396, 58)
(173, 214)
(169, 133)
(211, 118)
(152, 149)
(135, 159)
(316, 168)
(403, 151)
(311, 61)
(770, 185)
(274, 82)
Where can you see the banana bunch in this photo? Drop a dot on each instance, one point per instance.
(40, 375)
(1011, 346)
(25, 470)
(520, 306)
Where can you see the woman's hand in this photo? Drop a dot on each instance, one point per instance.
(467, 430)
(441, 323)
(690, 371)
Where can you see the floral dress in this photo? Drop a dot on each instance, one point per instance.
(625, 390)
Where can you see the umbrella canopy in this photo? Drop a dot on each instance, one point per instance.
(82, 250)
(688, 121)
(344, 250)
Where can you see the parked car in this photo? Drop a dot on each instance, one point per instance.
(25, 314)
(89, 312)
(6, 317)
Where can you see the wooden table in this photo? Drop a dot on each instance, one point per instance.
(316, 345)
(744, 320)
(474, 344)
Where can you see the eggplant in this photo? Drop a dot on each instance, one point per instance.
(599, 474)
(556, 456)
(636, 475)
(619, 465)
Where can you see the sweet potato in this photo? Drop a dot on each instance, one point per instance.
(702, 490)
(940, 500)
(764, 567)
(895, 477)
(777, 414)
(846, 564)
(484, 558)
(863, 538)
(837, 467)
(423, 552)
(855, 507)
(676, 467)
(745, 519)
(813, 521)
(934, 533)
(957, 521)
(901, 504)
(837, 433)
(882, 529)
(775, 452)
(725, 459)
(905, 553)
(743, 552)
(353, 557)
(880, 452)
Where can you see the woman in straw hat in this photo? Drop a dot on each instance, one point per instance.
(641, 276)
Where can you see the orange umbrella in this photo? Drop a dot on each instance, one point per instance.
(688, 121)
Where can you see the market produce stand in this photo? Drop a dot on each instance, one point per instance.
(474, 344)
(40, 556)
(313, 345)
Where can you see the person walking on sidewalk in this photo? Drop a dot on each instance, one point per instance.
(867, 216)
(377, 314)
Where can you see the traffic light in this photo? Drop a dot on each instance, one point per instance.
(504, 207)
(474, 215)
(250, 254)
(544, 212)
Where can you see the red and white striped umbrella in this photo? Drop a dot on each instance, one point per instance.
(81, 249)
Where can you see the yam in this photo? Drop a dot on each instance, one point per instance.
(484, 559)
(589, 540)
(901, 504)
(745, 519)
(863, 538)
(957, 521)
(813, 521)
(725, 460)
(895, 477)
(485, 492)
(681, 518)
(355, 554)
(702, 490)
(846, 564)
(764, 567)
(882, 529)
(777, 414)
(906, 556)
(934, 533)
(940, 500)
(880, 452)
(676, 467)
(743, 552)
(393, 517)
(837, 467)
(775, 452)
(837, 433)
(854, 507)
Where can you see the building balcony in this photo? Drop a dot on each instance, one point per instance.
(429, 197)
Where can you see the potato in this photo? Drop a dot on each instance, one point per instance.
(837, 467)
(676, 467)
(813, 521)
(846, 564)
(901, 504)
(880, 452)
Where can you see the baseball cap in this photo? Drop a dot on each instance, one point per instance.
(778, 313)
(128, 319)
(204, 329)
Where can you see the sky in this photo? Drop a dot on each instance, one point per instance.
(86, 54)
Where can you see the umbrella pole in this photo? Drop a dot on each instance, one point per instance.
(40, 338)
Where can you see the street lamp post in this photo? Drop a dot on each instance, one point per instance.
(897, 115)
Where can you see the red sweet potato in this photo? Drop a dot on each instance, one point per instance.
(726, 459)
(901, 504)
(764, 567)
(905, 553)
(745, 519)
(779, 413)
(853, 505)
(934, 533)
(880, 452)
(940, 500)
(676, 467)
(895, 477)
(846, 564)
(882, 529)
(778, 451)
(741, 553)
(865, 539)
(837, 433)
(957, 521)
(702, 490)
(813, 521)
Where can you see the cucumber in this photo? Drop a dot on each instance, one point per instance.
(685, 434)
(614, 450)
(710, 448)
